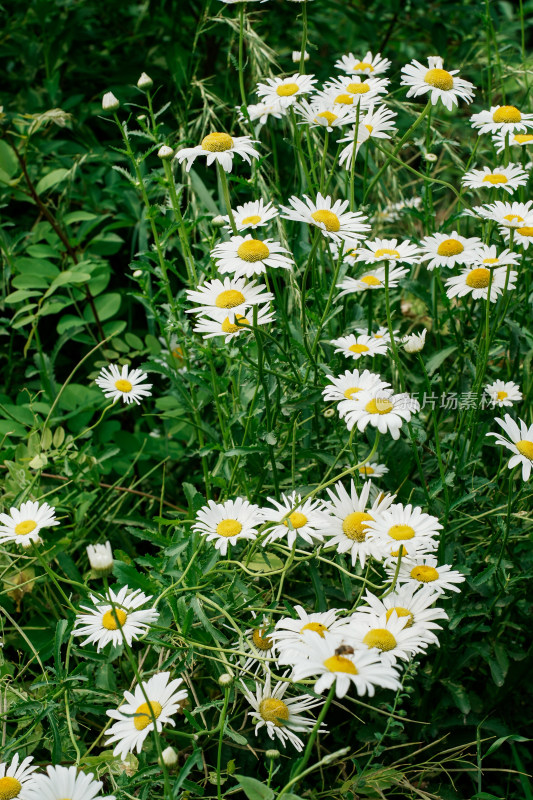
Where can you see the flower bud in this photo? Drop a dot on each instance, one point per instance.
(170, 757)
(218, 222)
(100, 558)
(137, 273)
(272, 754)
(145, 81)
(430, 157)
(165, 152)
(414, 343)
(297, 54)
(329, 412)
(225, 680)
(110, 102)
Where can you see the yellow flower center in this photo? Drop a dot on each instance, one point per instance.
(217, 142)
(287, 89)
(178, 353)
(327, 115)
(340, 664)
(9, 788)
(297, 520)
(366, 470)
(344, 100)
(274, 710)
(380, 638)
(109, 621)
(359, 348)
(523, 138)
(358, 88)
(527, 231)
(401, 612)
(261, 641)
(514, 218)
(371, 280)
(379, 405)
(123, 386)
(354, 525)
(253, 220)
(384, 252)
(229, 527)
(253, 250)
(440, 79)
(495, 178)
(229, 299)
(351, 391)
(502, 395)
(317, 627)
(143, 715)
(400, 532)
(507, 114)
(424, 574)
(25, 527)
(363, 65)
(232, 327)
(478, 278)
(490, 260)
(525, 447)
(330, 220)
(450, 247)
(369, 128)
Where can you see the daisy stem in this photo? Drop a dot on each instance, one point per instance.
(227, 200)
(396, 573)
(221, 738)
(311, 741)
(174, 199)
(285, 571)
(437, 443)
(345, 472)
(266, 398)
(241, 48)
(323, 165)
(352, 161)
(49, 571)
(394, 349)
(304, 38)
(326, 310)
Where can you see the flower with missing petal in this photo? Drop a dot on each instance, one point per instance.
(369, 64)
(520, 443)
(442, 84)
(219, 147)
(503, 393)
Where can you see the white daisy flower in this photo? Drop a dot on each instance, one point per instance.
(506, 214)
(390, 635)
(426, 571)
(347, 248)
(373, 470)
(16, 778)
(363, 89)
(22, 525)
(414, 342)
(368, 65)
(520, 443)
(448, 250)
(386, 411)
(281, 716)
(501, 119)
(262, 111)
(487, 255)
(116, 618)
(253, 215)
(64, 783)
(375, 279)
(405, 525)
(515, 140)
(475, 280)
(220, 147)
(135, 715)
(377, 122)
(345, 157)
(335, 661)
(351, 514)
(244, 255)
(523, 235)
(233, 325)
(416, 603)
(345, 386)
(217, 298)
(285, 90)
(333, 220)
(322, 114)
(289, 633)
(381, 333)
(503, 393)
(308, 520)
(226, 522)
(507, 178)
(297, 54)
(442, 85)
(388, 250)
(123, 383)
(357, 346)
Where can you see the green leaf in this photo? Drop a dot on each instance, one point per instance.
(254, 789)
(106, 306)
(52, 179)
(8, 161)
(203, 194)
(264, 563)
(434, 362)
(513, 737)
(61, 629)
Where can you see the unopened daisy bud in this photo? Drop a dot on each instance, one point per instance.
(430, 157)
(218, 222)
(169, 757)
(329, 412)
(413, 342)
(110, 102)
(296, 55)
(225, 680)
(273, 755)
(141, 117)
(165, 152)
(137, 273)
(100, 558)
(145, 81)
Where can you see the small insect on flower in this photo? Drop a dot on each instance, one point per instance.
(135, 717)
(520, 443)
(64, 783)
(503, 393)
(501, 119)
(123, 383)
(219, 147)
(475, 280)
(441, 84)
(358, 346)
(16, 778)
(22, 525)
(228, 522)
(507, 178)
(116, 618)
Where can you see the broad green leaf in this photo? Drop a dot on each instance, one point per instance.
(434, 362)
(254, 789)
(106, 306)
(52, 179)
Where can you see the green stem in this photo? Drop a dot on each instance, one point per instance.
(220, 740)
(227, 200)
(304, 38)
